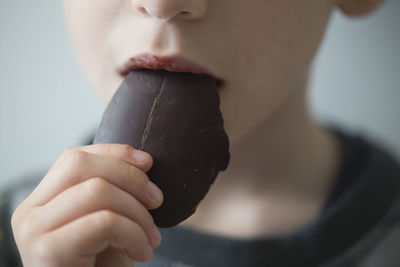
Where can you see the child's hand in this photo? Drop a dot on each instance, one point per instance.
(91, 209)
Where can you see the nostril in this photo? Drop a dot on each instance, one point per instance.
(185, 13)
(143, 11)
(166, 10)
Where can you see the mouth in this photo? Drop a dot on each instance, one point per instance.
(168, 63)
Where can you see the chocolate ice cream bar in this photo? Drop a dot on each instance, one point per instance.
(176, 118)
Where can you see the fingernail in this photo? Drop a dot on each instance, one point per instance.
(156, 237)
(140, 156)
(154, 192)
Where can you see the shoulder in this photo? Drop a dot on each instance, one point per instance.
(374, 198)
(365, 157)
(383, 169)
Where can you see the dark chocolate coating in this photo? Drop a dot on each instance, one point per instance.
(176, 118)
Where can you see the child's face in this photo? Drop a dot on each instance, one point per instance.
(261, 49)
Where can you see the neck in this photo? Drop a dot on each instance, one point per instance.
(286, 165)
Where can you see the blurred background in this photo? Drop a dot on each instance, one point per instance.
(46, 104)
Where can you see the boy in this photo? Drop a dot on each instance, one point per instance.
(295, 193)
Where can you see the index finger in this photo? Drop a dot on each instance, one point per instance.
(127, 153)
(76, 166)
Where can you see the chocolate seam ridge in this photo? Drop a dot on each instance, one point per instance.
(151, 115)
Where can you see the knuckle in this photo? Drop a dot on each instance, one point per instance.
(20, 223)
(44, 251)
(79, 156)
(70, 149)
(106, 219)
(23, 232)
(75, 157)
(15, 217)
(96, 186)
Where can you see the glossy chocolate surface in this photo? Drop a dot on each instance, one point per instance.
(176, 118)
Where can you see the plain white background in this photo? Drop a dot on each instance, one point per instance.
(46, 104)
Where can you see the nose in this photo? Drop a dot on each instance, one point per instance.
(171, 9)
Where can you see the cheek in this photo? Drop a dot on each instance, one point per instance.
(272, 62)
(89, 23)
(281, 38)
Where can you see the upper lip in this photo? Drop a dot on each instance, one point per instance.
(169, 63)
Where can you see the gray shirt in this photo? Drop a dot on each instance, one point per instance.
(359, 225)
